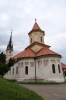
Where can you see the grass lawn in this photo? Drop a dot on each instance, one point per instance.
(12, 91)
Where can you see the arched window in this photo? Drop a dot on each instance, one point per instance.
(38, 63)
(41, 39)
(13, 70)
(26, 70)
(59, 68)
(65, 73)
(17, 70)
(31, 40)
(10, 71)
(53, 68)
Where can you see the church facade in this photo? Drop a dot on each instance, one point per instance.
(36, 62)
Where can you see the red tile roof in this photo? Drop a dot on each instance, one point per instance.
(46, 51)
(30, 53)
(63, 66)
(36, 26)
(26, 53)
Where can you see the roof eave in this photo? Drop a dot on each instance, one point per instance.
(37, 43)
(53, 55)
(36, 31)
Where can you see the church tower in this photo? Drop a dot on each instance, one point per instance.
(9, 49)
(36, 38)
(36, 34)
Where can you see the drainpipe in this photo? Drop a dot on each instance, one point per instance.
(35, 69)
(64, 73)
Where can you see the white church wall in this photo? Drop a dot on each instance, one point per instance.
(26, 62)
(39, 74)
(10, 74)
(55, 76)
(56, 61)
(43, 69)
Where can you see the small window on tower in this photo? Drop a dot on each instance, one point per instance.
(9, 51)
(31, 40)
(41, 39)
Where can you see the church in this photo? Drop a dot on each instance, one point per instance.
(37, 62)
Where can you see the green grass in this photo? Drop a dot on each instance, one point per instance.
(12, 91)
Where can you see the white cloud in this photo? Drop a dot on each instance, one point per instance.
(19, 16)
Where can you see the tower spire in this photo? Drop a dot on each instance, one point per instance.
(36, 26)
(9, 49)
(10, 44)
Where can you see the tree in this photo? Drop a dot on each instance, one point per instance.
(2, 57)
(11, 62)
(3, 68)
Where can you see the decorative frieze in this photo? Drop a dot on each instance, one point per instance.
(58, 60)
(18, 64)
(45, 63)
(39, 63)
(35, 33)
(53, 60)
(26, 63)
(22, 64)
(31, 64)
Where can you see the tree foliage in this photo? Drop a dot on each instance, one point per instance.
(11, 62)
(2, 57)
(3, 67)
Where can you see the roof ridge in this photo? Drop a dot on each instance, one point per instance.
(54, 52)
(18, 53)
(46, 51)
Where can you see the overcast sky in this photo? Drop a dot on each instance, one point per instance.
(19, 16)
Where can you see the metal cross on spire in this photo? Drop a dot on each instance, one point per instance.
(35, 19)
(11, 31)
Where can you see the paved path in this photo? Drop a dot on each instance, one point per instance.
(49, 92)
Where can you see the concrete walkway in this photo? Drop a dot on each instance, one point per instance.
(49, 92)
